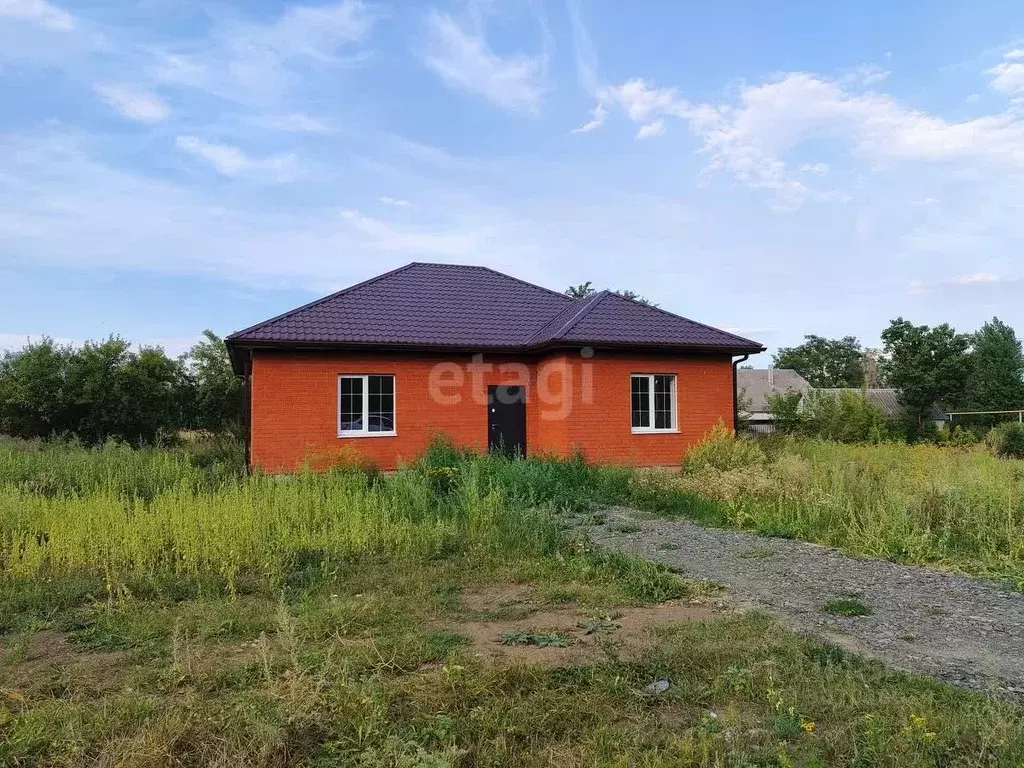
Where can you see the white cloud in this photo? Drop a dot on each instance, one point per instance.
(464, 60)
(750, 138)
(656, 128)
(133, 103)
(232, 161)
(38, 11)
(597, 118)
(397, 202)
(980, 278)
(297, 122)
(1008, 77)
(642, 101)
(255, 62)
(583, 49)
(973, 280)
(864, 75)
(928, 201)
(818, 169)
(381, 236)
(1017, 53)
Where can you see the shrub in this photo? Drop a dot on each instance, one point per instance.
(1007, 440)
(848, 417)
(721, 449)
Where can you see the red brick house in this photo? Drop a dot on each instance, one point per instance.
(488, 360)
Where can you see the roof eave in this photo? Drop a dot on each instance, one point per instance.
(238, 346)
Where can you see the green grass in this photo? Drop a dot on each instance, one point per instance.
(149, 619)
(955, 508)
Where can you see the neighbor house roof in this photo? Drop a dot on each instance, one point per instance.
(888, 400)
(456, 306)
(757, 385)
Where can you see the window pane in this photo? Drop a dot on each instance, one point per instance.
(663, 386)
(382, 404)
(641, 402)
(351, 403)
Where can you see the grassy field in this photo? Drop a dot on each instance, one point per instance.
(961, 509)
(160, 609)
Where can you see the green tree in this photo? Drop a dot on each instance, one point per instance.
(825, 363)
(219, 395)
(113, 392)
(928, 366)
(997, 371)
(583, 290)
(33, 396)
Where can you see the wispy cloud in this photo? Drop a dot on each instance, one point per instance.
(396, 202)
(818, 169)
(972, 280)
(297, 122)
(247, 61)
(750, 138)
(232, 161)
(465, 61)
(597, 118)
(133, 103)
(1008, 76)
(927, 201)
(39, 12)
(584, 53)
(655, 128)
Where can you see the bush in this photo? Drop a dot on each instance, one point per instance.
(848, 417)
(721, 449)
(1007, 440)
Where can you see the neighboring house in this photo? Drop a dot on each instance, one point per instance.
(888, 401)
(757, 386)
(488, 360)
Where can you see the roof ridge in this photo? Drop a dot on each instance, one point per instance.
(588, 305)
(520, 280)
(321, 300)
(695, 322)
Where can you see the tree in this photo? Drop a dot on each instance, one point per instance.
(219, 395)
(584, 290)
(581, 291)
(825, 363)
(33, 396)
(113, 392)
(997, 371)
(928, 366)
(634, 296)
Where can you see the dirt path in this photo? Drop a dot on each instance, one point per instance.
(960, 630)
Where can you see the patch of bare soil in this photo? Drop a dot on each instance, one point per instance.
(48, 662)
(521, 632)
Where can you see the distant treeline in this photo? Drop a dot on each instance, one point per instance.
(980, 371)
(109, 390)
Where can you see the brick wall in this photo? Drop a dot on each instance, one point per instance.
(572, 403)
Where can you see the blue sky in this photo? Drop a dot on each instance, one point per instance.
(168, 166)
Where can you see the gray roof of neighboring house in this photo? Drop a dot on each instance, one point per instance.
(756, 385)
(457, 306)
(888, 400)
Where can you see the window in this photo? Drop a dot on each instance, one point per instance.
(366, 405)
(653, 402)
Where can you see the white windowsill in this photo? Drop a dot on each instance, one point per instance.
(636, 431)
(366, 434)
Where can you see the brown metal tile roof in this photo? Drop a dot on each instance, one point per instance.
(455, 306)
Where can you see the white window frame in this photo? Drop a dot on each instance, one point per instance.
(364, 432)
(650, 405)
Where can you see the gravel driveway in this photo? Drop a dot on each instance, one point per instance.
(958, 629)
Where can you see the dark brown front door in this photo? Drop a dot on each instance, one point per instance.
(506, 420)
